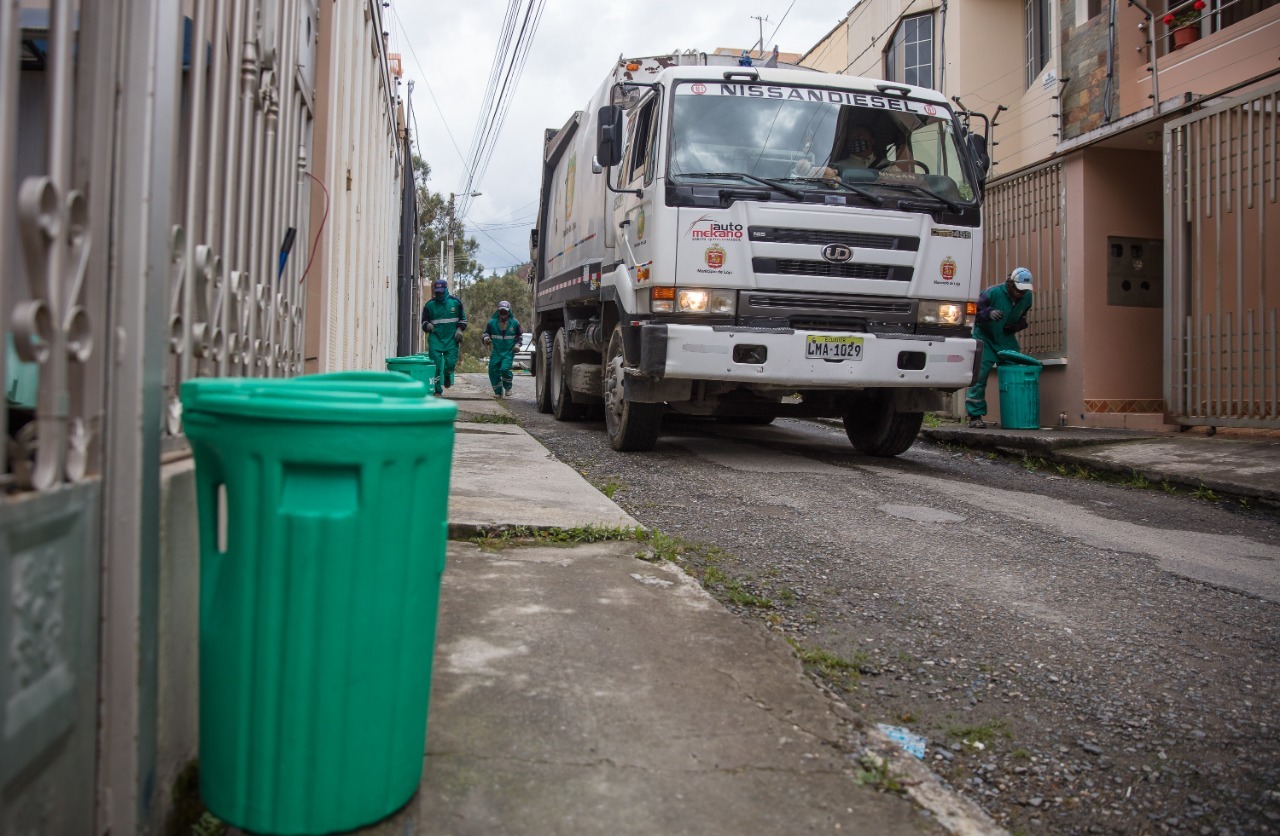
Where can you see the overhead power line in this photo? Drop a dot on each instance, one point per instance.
(520, 25)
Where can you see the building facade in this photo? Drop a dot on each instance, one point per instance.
(167, 171)
(1151, 228)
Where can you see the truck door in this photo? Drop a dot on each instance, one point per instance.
(636, 174)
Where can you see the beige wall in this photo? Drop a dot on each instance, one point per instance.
(831, 53)
(1213, 63)
(984, 66)
(1121, 346)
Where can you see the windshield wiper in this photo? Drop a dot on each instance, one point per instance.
(773, 184)
(943, 199)
(858, 190)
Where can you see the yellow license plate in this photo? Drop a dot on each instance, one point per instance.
(832, 347)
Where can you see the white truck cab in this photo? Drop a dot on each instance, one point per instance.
(753, 242)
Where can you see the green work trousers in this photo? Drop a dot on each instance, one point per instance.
(975, 400)
(444, 354)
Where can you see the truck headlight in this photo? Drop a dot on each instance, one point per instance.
(692, 300)
(941, 313)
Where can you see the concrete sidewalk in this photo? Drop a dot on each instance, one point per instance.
(586, 690)
(1237, 465)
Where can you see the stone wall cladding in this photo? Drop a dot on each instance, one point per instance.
(1084, 61)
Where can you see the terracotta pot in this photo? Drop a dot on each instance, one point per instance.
(1184, 35)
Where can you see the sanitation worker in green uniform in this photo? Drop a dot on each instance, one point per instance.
(1002, 313)
(443, 320)
(502, 335)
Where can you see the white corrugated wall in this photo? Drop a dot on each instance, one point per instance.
(363, 235)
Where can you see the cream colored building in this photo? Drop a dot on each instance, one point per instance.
(1152, 230)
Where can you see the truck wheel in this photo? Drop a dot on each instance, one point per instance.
(631, 427)
(558, 382)
(541, 375)
(875, 428)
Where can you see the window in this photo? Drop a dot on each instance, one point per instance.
(909, 58)
(1216, 16)
(1039, 28)
(1227, 13)
(642, 125)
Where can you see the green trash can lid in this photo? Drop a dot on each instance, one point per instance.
(409, 360)
(1009, 356)
(341, 398)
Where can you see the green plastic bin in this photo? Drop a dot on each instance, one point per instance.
(323, 517)
(1019, 379)
(22, 383)
(417, 366)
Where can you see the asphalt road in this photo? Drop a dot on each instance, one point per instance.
(1081, 657)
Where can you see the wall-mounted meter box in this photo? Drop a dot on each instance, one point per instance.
(1135, 272)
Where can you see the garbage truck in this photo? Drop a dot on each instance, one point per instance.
(747, 242)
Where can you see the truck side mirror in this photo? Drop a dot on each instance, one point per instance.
(978, 147)
(609, 135)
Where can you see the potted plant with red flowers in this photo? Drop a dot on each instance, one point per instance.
(1183, 24)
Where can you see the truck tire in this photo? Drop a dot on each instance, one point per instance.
(541, 374)
(562, 404)
(631, 427)
(875, 428)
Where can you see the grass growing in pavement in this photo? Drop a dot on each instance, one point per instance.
(984, 733)
(522, 535)
(846, 673)
(873, 771)
(1204, 493)
(1136, 480)
(500, 418)
(611, 487)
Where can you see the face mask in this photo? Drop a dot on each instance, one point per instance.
(503, 314)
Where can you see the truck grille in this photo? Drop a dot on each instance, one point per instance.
(820, 237)
(827, 303)
(799, 267)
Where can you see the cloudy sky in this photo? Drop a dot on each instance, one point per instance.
(448, 49)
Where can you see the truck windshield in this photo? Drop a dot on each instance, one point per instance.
(805, 137)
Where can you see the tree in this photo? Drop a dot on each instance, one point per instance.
(481, 299)
(434, 221)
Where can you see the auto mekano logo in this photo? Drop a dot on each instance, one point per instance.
(706, 229)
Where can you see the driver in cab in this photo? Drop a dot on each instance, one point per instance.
(859, 153)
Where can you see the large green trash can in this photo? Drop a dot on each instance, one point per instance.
(417, 366)
(323, 519)
(1019, 379)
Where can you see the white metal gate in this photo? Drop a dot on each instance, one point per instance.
(1222, 257)
(154, 157)
(1024, 225)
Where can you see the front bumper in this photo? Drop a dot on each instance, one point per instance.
(701, 352)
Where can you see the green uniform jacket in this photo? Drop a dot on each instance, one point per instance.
(504, 340)
(991, 331)
(447, 317)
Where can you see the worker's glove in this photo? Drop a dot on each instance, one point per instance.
(1015, 327)
(484, 338)
(996, 315)
(462, 326)
(428, 327)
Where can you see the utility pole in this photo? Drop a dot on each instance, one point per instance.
(450, 254)
(761, 21)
